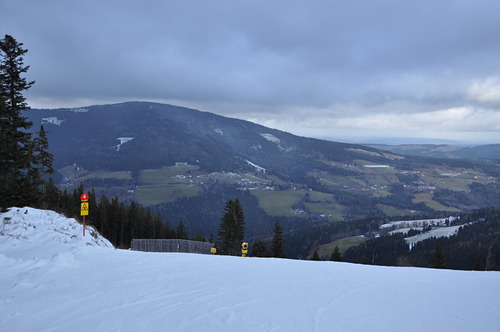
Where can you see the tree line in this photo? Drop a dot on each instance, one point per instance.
(476, 246)
(25, 163)
(24, 158)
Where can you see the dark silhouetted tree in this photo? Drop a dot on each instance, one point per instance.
(277, 244)
(438, 260)
(259, 249)
(23, 160)
(336, 256)
(231, 229)
(180, 232)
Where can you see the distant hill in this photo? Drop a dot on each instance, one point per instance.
(186, 163)
(140, 135)
(488, 152)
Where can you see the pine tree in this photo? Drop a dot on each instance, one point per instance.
(102, 215)
(180, 232)
(336, 256)
(259, 249)
(277, 244)
(51, 196)
(17, 178)
(42, 160)
(232, 229)
(315, 256)
(438, 261)
(478, 266)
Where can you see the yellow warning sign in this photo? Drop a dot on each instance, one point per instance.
(84, 209)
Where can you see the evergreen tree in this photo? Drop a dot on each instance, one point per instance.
(180, 232)
(438, 261)
(315, 256)
(158, 226)
(259, 249)
(336, 256)
(277, 244)
(18, 179)
(136, 230)
(102, 215)
(42, 160)
(232, 229)
(51, 196)
(92, 216)
(478, 266)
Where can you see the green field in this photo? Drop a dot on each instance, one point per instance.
(324, 203)
(120, 175)
(335, 210)
(155, 194)
(326, 250)
(427, 199)
(341, 181)
(454, 179)
(168, 174)
(278, 203)
(392, 211)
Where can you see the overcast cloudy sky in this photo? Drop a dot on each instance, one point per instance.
(344, 70)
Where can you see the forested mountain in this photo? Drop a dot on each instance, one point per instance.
(185, 164)
(476, 246)
(140, 135)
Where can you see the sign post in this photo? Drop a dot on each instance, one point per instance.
(84, 208)
(244, 249)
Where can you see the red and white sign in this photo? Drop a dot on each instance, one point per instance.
(84, 197)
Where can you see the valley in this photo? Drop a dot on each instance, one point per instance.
(185, 164)
(278, 197)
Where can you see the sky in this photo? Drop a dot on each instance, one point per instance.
(342, 70)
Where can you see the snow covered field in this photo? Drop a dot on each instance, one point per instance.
(53, 279)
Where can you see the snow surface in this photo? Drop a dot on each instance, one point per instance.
(435, 232)
(257, 167)
(418, 223)
(123, 140)
(53, 120)
(54, 279)
(271, 138)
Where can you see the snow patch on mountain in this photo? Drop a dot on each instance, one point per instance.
(219, 131)
(274, 139)
(123, 140)
(435, 232)
(77, 110)
(257, 167)
(52, 120)
(271, 138)
(440, 228)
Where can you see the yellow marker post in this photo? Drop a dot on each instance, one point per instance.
(84, 208)
(244, 249)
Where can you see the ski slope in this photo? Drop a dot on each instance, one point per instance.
(54, 279)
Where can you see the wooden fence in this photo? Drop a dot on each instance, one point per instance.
(171, 245)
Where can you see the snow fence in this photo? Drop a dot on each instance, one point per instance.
(171, 245)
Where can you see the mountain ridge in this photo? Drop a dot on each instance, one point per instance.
(180, 159)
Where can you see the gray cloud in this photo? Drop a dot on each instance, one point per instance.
(307, 67)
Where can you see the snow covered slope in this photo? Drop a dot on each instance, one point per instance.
(53, 279)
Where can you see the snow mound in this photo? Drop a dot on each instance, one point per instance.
(42, 227)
